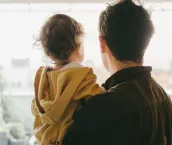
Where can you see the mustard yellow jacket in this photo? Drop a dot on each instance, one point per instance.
(57, 95)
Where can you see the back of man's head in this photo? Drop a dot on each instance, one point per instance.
(127, 29)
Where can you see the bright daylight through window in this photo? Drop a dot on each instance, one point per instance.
(20, 24)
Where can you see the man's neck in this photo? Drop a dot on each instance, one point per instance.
(117, 66)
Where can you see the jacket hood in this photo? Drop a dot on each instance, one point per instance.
(55, 89)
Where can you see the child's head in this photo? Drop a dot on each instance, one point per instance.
(62, 39)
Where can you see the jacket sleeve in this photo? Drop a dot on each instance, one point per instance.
(82, 130)
(99, 123)
(91, 126)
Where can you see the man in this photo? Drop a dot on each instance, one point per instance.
(135, 110)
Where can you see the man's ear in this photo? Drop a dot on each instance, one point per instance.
(103, 46)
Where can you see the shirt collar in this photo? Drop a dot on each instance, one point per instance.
(127, 74)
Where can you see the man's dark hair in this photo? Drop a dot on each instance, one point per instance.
(127, 29)
(60, 36)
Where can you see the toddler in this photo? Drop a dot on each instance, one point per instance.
(63, 87)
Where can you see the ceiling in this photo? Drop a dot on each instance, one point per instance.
(70, 1)
(69, 5)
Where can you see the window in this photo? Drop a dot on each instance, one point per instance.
(19, 58)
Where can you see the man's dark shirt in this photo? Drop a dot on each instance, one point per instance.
(135, 111)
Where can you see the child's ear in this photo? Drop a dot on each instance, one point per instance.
(103, 46)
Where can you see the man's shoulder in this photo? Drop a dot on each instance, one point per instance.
(114, 95)
(120, 99)
(109, 95)
(109, 102)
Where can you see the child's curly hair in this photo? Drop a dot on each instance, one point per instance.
(60, 36)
